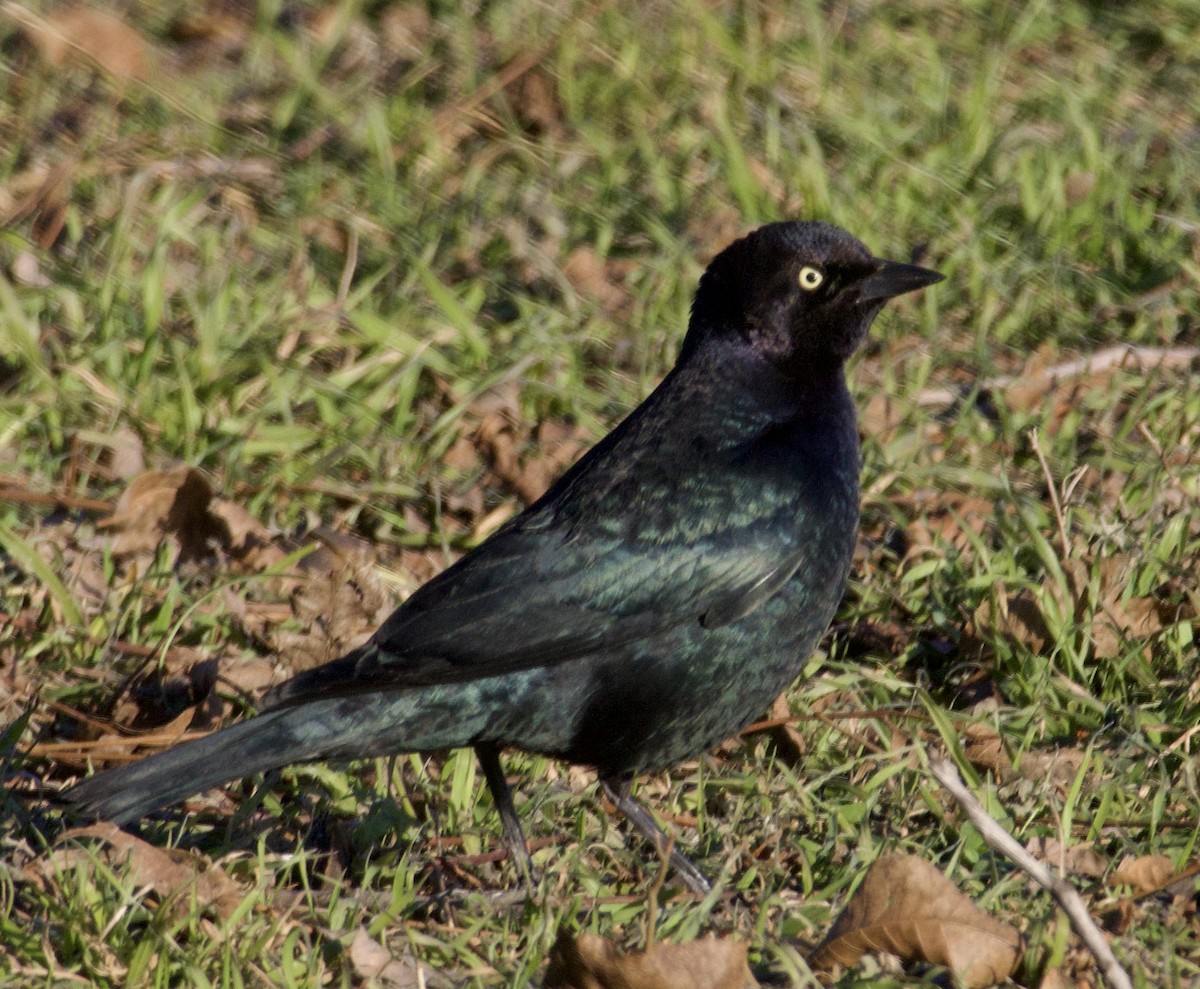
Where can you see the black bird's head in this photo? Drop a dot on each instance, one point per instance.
(801, 294)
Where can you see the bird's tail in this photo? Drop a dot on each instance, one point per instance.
(256, 745)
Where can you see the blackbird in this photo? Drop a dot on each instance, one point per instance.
(652, 602)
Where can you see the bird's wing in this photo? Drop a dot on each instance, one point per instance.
(534, 596)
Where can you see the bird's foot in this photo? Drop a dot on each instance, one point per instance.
(643, 820)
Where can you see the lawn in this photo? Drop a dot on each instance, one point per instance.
(347, 284)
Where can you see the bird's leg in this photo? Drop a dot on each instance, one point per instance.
(643, 820)
(514, 837)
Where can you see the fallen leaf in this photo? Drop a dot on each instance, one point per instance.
(595, 279)
(127, 458)
(1052, 765)
(592, 962)
(174, 875)
(214, 33)
(1145, 873)
(950, 521)
(337, 602)
(1081, 858)
(26, 270)
(161, 503)
(1053, 978)
(1015, 617)
(371, 960)
(789, 743)
(74, 34)
(984, 749)
(244, 537)
(406, 29)
(909, 909)
(534, 98)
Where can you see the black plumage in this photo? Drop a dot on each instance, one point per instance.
(653, 601)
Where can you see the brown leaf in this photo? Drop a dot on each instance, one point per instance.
(907, 908)
(1099, 588)
(1015, 617)
(592, 962)
(338, 601)
(1094, 596)
(1079, 186)
(789, 743)
(41, 194)
(592, 278)
(127, 459)
(1052, 765)
(883, 414)
(406, 29)
(949, 522)
(1053, 978)
(1082, 858)
(75, 34)
(1035, 384)
(534, 98)
(244, 537)
(1145, 873)
(984, 749)
(161, 503)
(172, 874)
(213, 33)
(27, 270)
(371, 960)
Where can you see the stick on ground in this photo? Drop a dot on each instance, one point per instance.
(1066, 895)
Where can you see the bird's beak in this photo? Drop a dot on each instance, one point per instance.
(894, 278)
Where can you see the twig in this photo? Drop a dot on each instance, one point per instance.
(348, 268)
(1120, 356)
(656, 889)
(51, 500)
(1004, 843)
(1053, 489)
(854, 714)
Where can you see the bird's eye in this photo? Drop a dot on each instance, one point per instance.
(810, 278)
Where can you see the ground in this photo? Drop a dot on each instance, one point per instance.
(298, 302)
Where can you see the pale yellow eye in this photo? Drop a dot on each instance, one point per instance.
(810, 278)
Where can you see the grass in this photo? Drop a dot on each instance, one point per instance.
(307, 262)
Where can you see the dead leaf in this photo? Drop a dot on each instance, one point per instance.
(27, 270)
(245, 538)
(161, 503)
(789, 743)
(1030, 388)
(75, 34)
(213, 33)
(172, 874)
(1053, 978)
(883, 414)
(1116, 617)
(338, 601)
(949, 522)
(40, 194)
(371, 960)
(534, 98)
(127, 458)
(406, 29)
(1079, 186)
(907, 908)
(1081, 858)
(1015, 617)
(984, 749)
(1145, 873)
(592, 962)
(594, 278)
(1051, 765)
